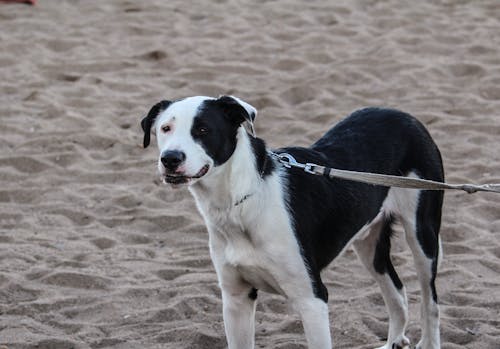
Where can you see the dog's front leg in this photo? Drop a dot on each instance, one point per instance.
(238, 299)
(239, 317)
(314, 314)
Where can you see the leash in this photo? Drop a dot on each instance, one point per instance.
(289, 161)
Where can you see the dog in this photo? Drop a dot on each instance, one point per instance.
(274, 229)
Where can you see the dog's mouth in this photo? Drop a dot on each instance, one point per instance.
(178, 178)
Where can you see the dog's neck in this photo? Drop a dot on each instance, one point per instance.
(237, 179)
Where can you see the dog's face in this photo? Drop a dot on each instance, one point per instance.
(195, 134)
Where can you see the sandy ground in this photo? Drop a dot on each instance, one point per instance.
(96, 253)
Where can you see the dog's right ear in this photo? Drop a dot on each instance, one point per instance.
(148, 122)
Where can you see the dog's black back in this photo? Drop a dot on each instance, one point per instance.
(329, 212)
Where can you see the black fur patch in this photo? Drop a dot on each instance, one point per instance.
(382, 259)
(428, 225)
(149, 120)
(253, 294)
(220, 119)
(265, 165)
(219, 139)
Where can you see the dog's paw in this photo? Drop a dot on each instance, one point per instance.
(401, 343)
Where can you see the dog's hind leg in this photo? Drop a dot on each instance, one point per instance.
(422, 231)
(374, 252)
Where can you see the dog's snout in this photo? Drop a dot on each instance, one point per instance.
(171, 159)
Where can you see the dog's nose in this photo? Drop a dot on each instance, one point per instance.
(171, 159)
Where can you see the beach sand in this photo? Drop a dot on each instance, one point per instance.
(96, 253)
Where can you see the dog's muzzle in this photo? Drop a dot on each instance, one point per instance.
(181, 178)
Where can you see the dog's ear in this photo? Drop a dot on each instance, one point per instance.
(237, 110)
(148, 122)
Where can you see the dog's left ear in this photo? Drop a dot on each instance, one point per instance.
(237, 110)
(148, 122)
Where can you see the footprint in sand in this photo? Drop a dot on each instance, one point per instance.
(170, 274)
(103, 243)
(136, 239)
(24, 164)
(77, 280)
(466, 70)
(14, 293)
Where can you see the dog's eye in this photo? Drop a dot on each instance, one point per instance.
(165, 128)
(202, 130)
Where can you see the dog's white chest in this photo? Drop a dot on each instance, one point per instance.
(254, 240)
(240, 249)
(252, 265)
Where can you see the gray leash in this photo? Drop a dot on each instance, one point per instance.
(380, 179)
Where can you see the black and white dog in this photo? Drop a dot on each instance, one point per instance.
(274, 229)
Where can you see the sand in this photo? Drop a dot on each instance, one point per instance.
(96, 253)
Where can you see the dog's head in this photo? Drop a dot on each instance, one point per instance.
(195, 134)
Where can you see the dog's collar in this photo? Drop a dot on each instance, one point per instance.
(240, 201)
(243, 199)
